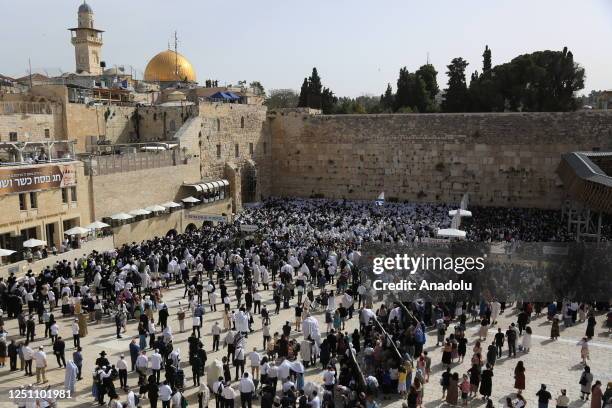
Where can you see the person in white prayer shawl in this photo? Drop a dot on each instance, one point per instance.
(70, 376)
(242, 321)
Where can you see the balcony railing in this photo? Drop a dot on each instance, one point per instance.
(121, 163)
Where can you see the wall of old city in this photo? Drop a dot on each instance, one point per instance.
(130, 190)
(87, 124)
(501, 159)
(162, 224)
(30, 127)
(233, 141)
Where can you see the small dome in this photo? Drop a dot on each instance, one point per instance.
(169, 66)
(85, 8)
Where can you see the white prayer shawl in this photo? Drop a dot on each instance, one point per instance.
(70, 376)
(242, 321)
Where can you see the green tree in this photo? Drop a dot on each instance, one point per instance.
(412, 92)
(257, 88)
(429, 75)
(282, 98)
(486, 61)
(328, 101)
(456, 96)
(387, 99)
(303, 98)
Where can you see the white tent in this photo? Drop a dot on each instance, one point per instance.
(139, 211)
(155, 208)
(32, 243)
(121, 216)
(6, 252)
(190, 200)
(171, 204)
(97, 225)
(77, 231)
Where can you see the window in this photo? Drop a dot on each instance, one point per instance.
(73, 193)
(218, 151)
(47, 133)
(242, 122)
(22, 202)
(237, 150)
(265, 147)
(218, 125)
(65, 195)
(33, 200)
(13, 136)
(251, 149)
(172, 126)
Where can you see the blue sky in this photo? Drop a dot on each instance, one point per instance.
(358, 46)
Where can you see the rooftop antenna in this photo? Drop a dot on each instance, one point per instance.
(30, 71)
(427, 57)
(176, 70)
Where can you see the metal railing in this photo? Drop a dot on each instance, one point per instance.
(121, 163)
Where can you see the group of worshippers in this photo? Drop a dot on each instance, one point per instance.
(303, 245)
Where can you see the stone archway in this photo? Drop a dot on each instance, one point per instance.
(172, 233)
(191, 227)
(248, 182)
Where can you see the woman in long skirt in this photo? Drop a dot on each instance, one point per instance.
(519, 377)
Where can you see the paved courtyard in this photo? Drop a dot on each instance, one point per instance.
(555, 363)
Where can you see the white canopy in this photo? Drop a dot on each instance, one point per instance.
(77, 231)
(140, 211)
(155, 208)
(32, 242)
(97, 225)
(6, 252)
(171, 204)
(451, 233)
(121, 216)
(190, 199)
(462, 213)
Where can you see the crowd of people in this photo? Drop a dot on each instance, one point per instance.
(303, 257)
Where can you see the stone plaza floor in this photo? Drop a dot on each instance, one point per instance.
(555, 363)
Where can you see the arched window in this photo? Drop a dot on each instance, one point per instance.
(172, 126)
(242, 122)
(218, 125)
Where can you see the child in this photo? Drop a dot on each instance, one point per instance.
(465, 389)
(401, 385)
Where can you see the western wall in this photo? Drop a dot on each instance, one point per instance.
(501, 159)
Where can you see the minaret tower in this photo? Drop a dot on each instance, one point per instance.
(87, 42)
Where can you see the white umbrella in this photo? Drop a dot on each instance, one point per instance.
(97, 225)
(6, 252)
(155, 208)
(171, 204)
(121, 216)
(31, 243)
(190, 200)
(77, 231)
(140, 211)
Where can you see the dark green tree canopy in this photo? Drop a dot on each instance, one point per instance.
(456, 96)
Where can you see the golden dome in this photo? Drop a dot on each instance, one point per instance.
(169, 66)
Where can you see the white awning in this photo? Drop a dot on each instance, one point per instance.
(190, 200)
(171, 204)
(462, 213)
(217, 184)
(209, 186)
(97, 225)
(121, 216)
(155, 208)
(451, 233)
(77, 231)
(140, 211)
(225, 182)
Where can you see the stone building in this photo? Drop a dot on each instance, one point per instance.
(87, 41)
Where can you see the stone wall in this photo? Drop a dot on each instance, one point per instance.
(130, 190)
(501, 159)
(225, 126)
(160, 123)
(31, 127)
(112, 123)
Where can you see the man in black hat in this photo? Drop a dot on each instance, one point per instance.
(102, 361)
